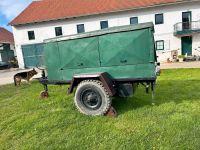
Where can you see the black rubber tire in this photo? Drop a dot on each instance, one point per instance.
(100, 90)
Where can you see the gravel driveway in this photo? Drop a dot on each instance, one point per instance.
(6, 76)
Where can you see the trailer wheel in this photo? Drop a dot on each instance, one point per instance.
(92, 98)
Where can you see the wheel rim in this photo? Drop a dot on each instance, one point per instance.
(91, 99)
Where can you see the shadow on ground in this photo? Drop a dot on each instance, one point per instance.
(166, 91)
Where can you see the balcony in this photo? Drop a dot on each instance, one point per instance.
(186, 28)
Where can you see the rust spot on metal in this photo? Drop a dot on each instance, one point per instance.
(111, 112)
(44, 94)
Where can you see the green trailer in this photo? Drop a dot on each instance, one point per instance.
(102, 64)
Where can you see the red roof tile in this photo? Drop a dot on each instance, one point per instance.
(46, 10)
(6, 36)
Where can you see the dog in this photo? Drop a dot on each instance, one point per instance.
(24, 75)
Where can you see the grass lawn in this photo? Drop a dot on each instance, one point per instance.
(27, 122)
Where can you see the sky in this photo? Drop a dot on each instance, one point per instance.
(9, 9)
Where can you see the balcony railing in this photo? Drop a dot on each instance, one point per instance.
(186, 28)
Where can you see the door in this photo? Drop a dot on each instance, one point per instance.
(186, 43)
(33, 55)
(186, 19)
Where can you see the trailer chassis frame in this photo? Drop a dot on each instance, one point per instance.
(148, 83)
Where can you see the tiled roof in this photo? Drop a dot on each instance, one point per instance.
(46, 10)
(6, 36)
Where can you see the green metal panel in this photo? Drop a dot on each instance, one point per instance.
(125, 48)
(33, 55)
(29, 55)
(52, 61)
(140, 71)
(6, 54)
(80, 53)
(186, 43)
(6, 46)
(39, 52)
(123, 52)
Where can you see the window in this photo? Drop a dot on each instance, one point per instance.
(104, 24)
(134, 20)
(31, 35)
(58, 31)
(160, 45)
(159, 19)
(80, 28)
(187, 16)
(186, 19)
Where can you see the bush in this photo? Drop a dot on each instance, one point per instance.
(181, 56)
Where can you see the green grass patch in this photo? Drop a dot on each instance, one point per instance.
(28, 122)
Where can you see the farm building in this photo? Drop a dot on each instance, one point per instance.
(6, 45)
(177, 24)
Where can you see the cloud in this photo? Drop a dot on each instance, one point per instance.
(11, 8)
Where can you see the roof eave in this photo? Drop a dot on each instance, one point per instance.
(101, 13)
(6, 42)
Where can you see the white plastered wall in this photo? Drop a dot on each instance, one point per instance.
(172, 15)
(196, 44)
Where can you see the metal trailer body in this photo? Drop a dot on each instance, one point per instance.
(123, 52)
(126, 54)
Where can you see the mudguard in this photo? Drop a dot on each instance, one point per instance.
(102, 76)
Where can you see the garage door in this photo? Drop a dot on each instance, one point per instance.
(33, 55)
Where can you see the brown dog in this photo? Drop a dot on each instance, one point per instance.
(24, 75)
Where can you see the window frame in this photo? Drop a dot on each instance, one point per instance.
(156, 22)
(190, 15)
(163, 47)
(29, 36)
(101, 24)
(56, 32)
(134, 18)
(78, 30)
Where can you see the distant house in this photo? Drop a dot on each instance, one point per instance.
(7, 49)
(177, 23)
